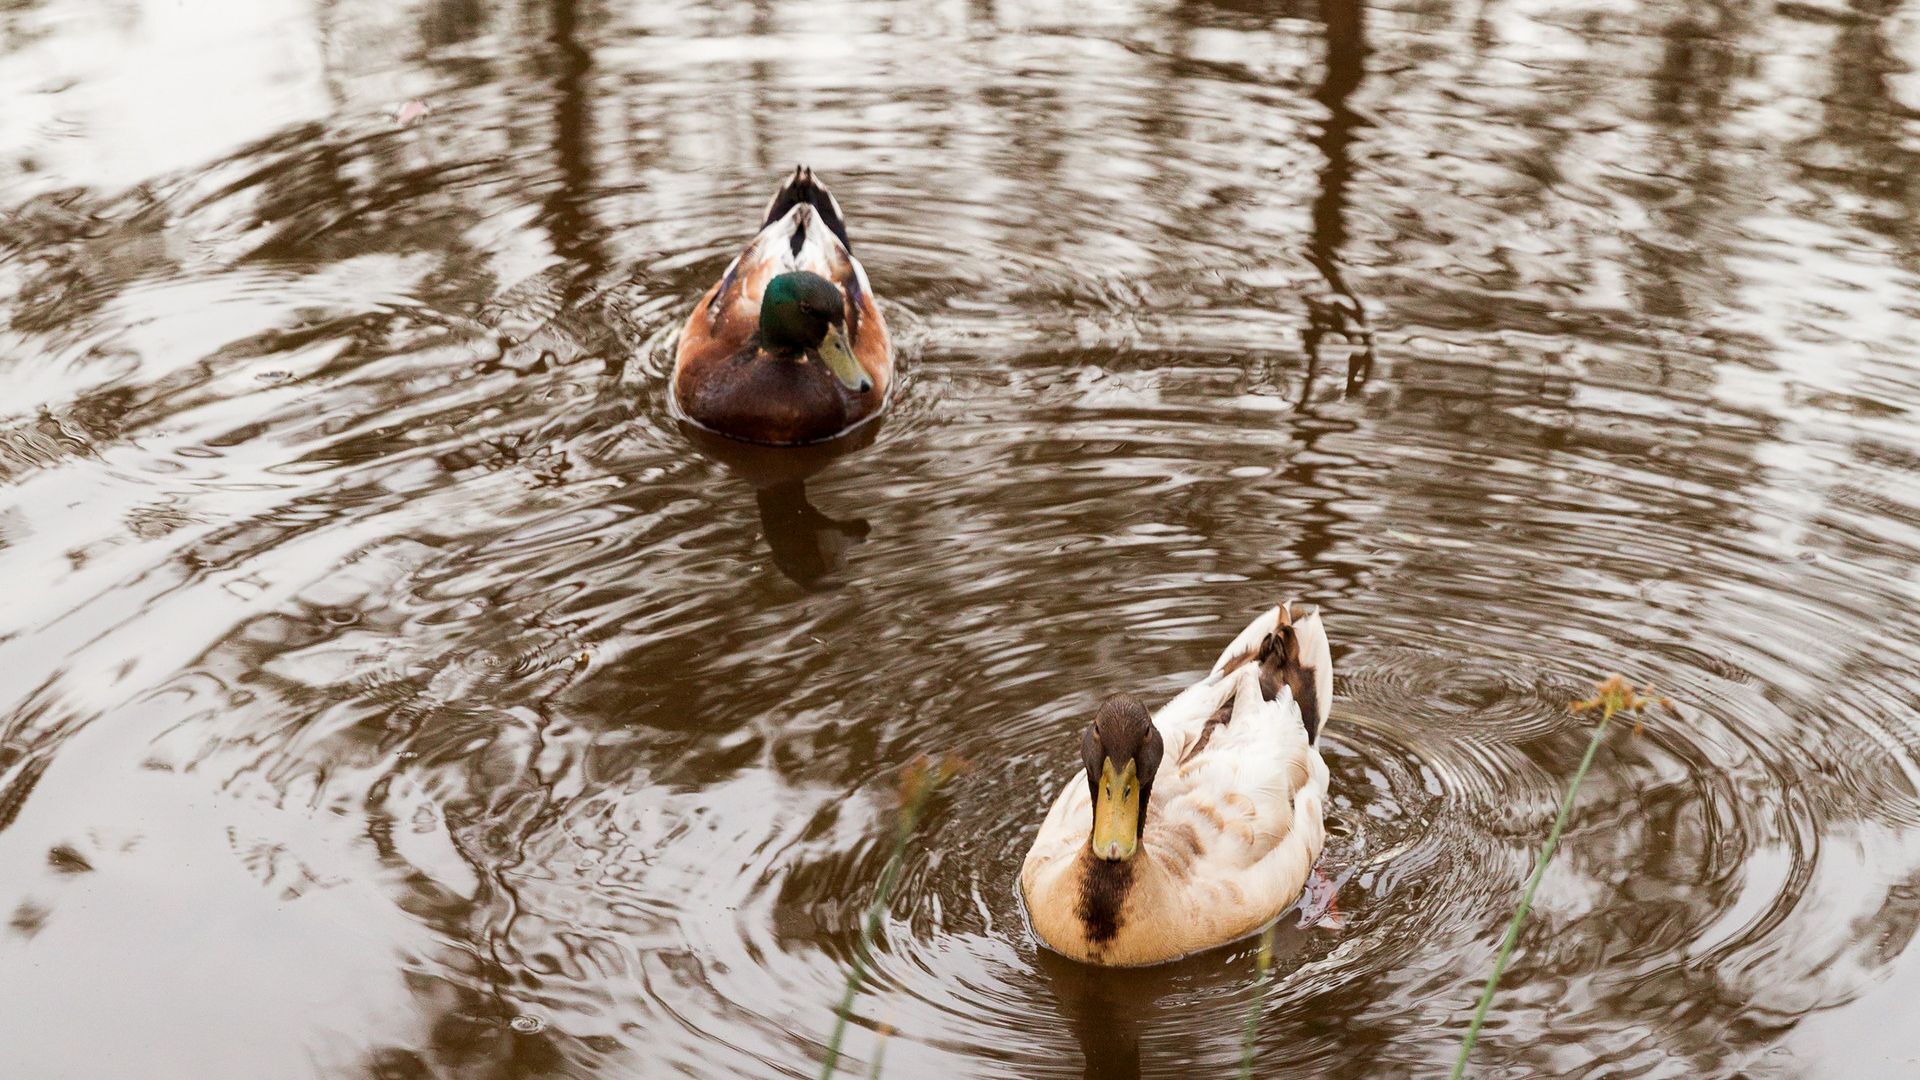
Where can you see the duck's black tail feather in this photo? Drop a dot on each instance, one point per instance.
(1295, 655)
(800, 188)
(1288, 646)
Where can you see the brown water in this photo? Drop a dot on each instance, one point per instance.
(388, 687)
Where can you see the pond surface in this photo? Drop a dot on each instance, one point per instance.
(389, 687)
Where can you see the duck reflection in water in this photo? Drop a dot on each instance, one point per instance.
(1104, 1008)
(805, 543)
(1107, 1008)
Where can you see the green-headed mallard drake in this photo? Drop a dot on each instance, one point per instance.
(788, 346)
(1198, 826)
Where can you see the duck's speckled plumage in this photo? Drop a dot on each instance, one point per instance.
(1234, 823)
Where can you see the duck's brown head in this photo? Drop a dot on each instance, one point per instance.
(1122, 751)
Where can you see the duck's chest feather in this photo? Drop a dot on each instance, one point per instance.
(1105, 912)
(767, 398)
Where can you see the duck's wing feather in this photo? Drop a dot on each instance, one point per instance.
(1241, 823)
(1297, 656)
(803, 230)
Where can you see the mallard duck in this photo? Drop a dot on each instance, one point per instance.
(788, 346)
(1200, 825)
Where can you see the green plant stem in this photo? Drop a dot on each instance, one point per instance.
(870, 924)
(1526, 895)
(879, 1052)
(1264, 965)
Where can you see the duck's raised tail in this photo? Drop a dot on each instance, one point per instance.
(803, 188)
(1291, 650)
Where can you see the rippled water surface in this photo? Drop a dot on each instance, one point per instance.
(390, 687)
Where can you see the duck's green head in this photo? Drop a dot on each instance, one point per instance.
(802, 312)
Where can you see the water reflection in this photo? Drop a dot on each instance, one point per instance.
(1105, 1011)
(567, 212)
(805, 543)
(1342, 312)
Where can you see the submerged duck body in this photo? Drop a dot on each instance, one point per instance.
(1197, 826)
(788, 347)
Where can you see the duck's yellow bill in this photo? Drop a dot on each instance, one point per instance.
(840, 360)
(1116, 812)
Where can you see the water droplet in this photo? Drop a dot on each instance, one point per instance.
(528, 1024)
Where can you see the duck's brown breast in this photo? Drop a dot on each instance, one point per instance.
(771, 399)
